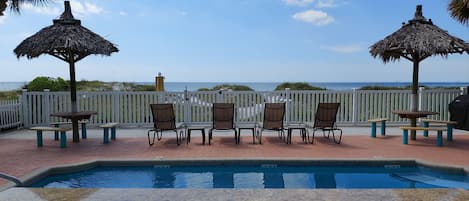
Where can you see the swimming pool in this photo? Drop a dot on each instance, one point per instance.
(239, 175)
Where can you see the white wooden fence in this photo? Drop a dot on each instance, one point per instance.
(10, 114)
(133, 108)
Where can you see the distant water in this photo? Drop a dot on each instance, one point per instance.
(270, 86)
(8, 86)
(266, 86)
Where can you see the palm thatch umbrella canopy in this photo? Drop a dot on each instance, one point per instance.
(67, 40)
(416, 41)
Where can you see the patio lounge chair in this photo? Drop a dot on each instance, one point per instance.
(164, 120)
(273, 119)
(325, 120)
(223, 119)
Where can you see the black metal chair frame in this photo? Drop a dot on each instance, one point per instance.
(281, 130)
(223, 106)
(158, 132)
(329, 129)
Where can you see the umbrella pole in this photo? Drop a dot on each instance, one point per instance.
(73, 94)
(414, 101)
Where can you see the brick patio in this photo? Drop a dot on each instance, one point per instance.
(19, 155)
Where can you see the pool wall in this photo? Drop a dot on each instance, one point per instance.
(44, 172)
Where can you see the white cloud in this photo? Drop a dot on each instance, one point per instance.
(78, 8)
(298, 2)
(123, 13)
(43, 10)
(3, 19)
(93, 8)
(344, 48)
(83, 9)
(326, 4)
(182, 13)
(315, 17)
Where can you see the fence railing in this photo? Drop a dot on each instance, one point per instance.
(10, 114)
(133, 108)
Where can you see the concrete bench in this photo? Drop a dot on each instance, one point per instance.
(63, 134)
(59, 123)
(439, 130)
(449, 127)
(106, 128)
(373, 126)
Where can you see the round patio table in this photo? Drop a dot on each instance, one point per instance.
(75, 117)
(413, 116)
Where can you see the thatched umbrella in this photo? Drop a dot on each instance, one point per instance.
(416, 41)
(67, 40)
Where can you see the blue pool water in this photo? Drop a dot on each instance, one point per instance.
(257, 176)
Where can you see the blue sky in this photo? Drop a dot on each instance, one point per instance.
(235, 41)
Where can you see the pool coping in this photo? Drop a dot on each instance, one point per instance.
(40, 173)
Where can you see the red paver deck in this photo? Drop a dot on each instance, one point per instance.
(19, 157)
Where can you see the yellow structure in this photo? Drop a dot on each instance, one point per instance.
(159, 82)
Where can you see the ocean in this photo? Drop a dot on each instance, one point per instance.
(266, 86)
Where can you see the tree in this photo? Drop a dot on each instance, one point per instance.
(15, 5)
(459, 10)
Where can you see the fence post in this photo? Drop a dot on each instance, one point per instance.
(287, 106)
(24, 108)
(16, 112)
(220, 96)
(463, 90)
(160, 95)
(421, 101)
(421, 105)
(115, 105)
(354, 107)
(46, 108)
(187, 107)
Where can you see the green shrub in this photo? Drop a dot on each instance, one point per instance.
(380, 88)
(54, 84)
(297, 86)
(441, 87)
(233, 87)
(142, 87)
(408, 87)
(127, 86)
(203, 89)
(94, 85)
(9, 95)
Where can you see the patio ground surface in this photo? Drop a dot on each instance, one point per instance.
(20, 157)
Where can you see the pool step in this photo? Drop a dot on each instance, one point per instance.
(392, 166)
(434, 180)
(162, 166)
(269, 166)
